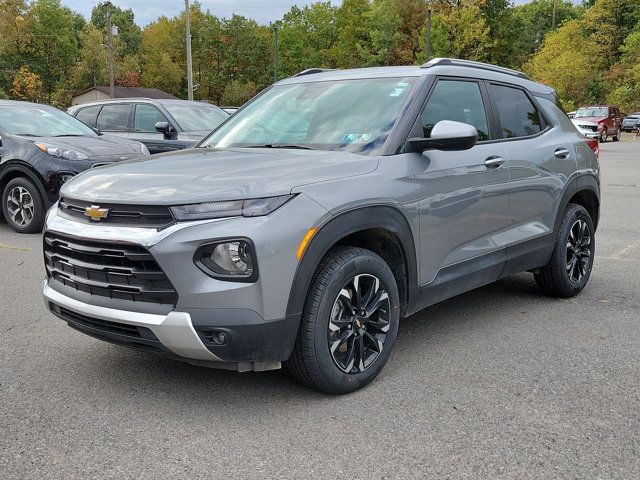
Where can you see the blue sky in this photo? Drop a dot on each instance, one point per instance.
(263, 11)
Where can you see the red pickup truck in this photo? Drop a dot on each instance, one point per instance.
(606, 116)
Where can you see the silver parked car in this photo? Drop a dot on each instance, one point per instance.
(631, 122)
(162, 125)
(333, 204)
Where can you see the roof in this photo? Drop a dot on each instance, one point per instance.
(128, 92)
(444, 67)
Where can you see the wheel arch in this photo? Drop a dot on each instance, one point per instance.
(583, 190)
(384, 229)
(15, 169)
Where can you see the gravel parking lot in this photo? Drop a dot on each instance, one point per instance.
(498, 383)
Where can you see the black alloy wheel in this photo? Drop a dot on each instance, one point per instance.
(578, 251)
(359, 323)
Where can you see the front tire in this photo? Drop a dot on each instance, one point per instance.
(616, 137)
(349, 323)
(22, 206)
(604, 136)
(569, 268)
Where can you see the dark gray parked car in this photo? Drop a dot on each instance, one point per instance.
(329, 207)
(162, 125)
(630, 122)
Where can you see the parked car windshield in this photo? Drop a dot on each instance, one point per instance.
(351, 115)
(591, 112)
(193, 118)
(41, 121)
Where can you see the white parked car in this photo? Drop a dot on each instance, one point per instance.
(588, 129)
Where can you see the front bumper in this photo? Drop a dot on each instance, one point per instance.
(252, 318)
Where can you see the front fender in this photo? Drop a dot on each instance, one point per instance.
(338, 227)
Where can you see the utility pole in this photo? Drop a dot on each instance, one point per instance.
(188, 42)
(428, 39)
(112, 88)
(275, 53)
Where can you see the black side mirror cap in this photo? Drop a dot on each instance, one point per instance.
(167, 130)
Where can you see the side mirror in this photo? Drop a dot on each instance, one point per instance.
(447, 135)
(166, 129)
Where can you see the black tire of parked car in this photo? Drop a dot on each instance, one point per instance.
(313, 360)
(576, 239)
(31, 217)
(604, 135)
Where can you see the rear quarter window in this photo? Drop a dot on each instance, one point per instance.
(517, 115)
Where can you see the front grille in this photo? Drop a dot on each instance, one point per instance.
(593, 128)
(152, 216)
(115, 270)
(121, 333)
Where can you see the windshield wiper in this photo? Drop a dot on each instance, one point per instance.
(26, 135)
(281, 145)
(69, 135)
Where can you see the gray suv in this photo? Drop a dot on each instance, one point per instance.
(333, 204)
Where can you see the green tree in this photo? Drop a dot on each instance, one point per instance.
(91, 67)
(534, 21)
(161, 59)
(385, 37)
(129, 34)
(52, 33)
(352, 22)
(237, 93)
(306, 37)
(566, 62)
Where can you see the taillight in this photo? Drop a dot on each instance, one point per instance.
(593, 144)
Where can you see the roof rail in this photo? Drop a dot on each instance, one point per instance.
(310, 71)
(469, 63)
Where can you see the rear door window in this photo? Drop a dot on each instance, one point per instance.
(88, 115)
(146, 117)
(517, 115)
(456, 100)
(114, 118)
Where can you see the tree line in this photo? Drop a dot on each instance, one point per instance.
(590, 52)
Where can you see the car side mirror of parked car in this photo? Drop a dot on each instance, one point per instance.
(447, 135)
(168, 130)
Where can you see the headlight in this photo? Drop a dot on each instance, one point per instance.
(256, 207)
(232, 260)
(61, 152)
(144, 149)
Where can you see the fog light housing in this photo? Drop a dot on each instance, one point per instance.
(232, 260)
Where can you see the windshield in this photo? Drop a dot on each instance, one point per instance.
(193, 118)
(41, 121)
(352, 115)
(591, 112)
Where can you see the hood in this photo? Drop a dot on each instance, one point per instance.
(201, 175)
(589, 119)
(580, 121)
(94, 147)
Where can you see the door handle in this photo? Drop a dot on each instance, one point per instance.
(561, 153)
(494, 162)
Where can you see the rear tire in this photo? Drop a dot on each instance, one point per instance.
(569, 268)
(22, 206)
(338, 351)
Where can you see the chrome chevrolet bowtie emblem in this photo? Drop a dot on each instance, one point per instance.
(95, 213)
(123, 157)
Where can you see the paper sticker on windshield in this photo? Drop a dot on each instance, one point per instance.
(399, 88)
(357, 137)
